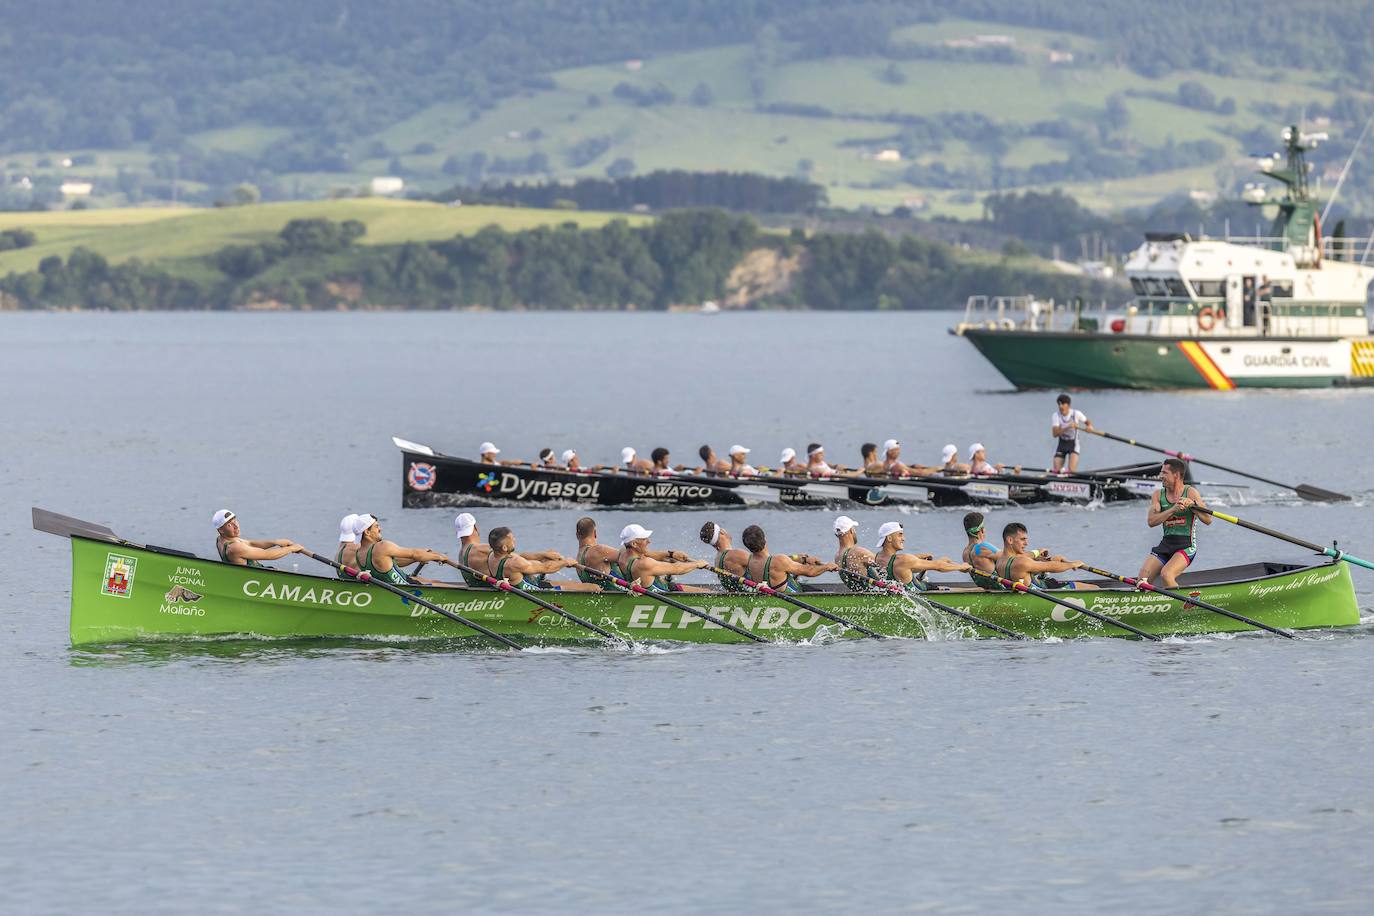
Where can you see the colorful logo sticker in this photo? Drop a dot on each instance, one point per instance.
(420, 476)
(119, 575)
(485, 481)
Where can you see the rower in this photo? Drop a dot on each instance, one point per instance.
(569, 460)
(871, 463)
(1064, 428)
(710, 464)
(486, 453)
(525, 574)
(728, 557)
(788, 463)
(907, 569)
(978, 461)
(852, 561)
(1173, 505)
(779, 570)
(1019, 564)
(892, 461)
(472, 552)
(348, 544)
(383, 559)
(594, 556)
(739, 465)
(816, 464)
(949, 461)
(637, 564)
(980, 553)
(660, 466)
(239, 552)
(633, 465)
(546, 459)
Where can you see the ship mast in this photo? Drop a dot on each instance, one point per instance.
(1297, 226)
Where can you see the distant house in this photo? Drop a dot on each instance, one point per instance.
(888, 155)
(76, 188)
(1061, 57)
(634, 65)
(388, 184)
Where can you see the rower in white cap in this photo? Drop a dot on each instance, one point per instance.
(892, 462)
(728, 557)
(739, 464)
(852, 561)
(383, 559)
(234, 549)
(907, 569)
(633, 465)
(779, 570)
(788, 463)
(569, 460)
(638, 565)
(348, 542)
(473, 551)
(949, 461)
(978, 463)
(487, 452)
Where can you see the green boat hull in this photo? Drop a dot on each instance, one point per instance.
(1044, 359)
(123, 593)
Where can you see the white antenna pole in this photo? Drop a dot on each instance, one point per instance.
(1349, 159)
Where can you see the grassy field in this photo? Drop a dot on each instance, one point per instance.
(173, 234)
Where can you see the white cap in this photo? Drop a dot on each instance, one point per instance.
(948, 452)
(890, 444)
(816, 451)
(222, 518)
(568, 455)
(633, 533)
(346, 532)
(844, 524)
(486, 448)
(974, 449)
(787, 455)
(464, 524)
(362, 523)
(627, 455)
(738, 450)
(886, 529)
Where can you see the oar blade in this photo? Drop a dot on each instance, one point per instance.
(66, 526)
(1318, 495)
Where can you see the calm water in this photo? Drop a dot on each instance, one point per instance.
(1202, 775)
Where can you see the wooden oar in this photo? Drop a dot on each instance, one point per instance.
(1306, 491)
(1331, 552)
(363, 576)
(896, 589)
(782, 596)
(660, 596)
(505, 586)
(1032, 590)
(1178, 596)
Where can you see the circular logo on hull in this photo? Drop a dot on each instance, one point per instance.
(421, 476)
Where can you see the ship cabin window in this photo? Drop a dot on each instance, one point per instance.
(1138, 285)
(1281, 289)
(1176, 288)
(1210, 289)
(1156, 286)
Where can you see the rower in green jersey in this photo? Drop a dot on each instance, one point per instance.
(636, 563)
(728, 557)
(504, 563)
(1174, 507)
(852, 561)
(383, 559)
(239, 552)
(348, 541)
(907, 569)
(1019, 564)
(594, 556)
(779, 570)
(473, 552)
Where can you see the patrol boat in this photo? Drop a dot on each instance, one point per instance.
(1285, 310)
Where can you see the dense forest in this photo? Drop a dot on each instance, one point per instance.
(662, 190)
(685, 257)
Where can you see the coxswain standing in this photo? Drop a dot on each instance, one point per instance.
(504, 563)
(239, 552)
(1174, 505)
(1064, 427)
(1019, 564)
(383, 559)
(739, 464)
(638, 565)
(728, 557)
(853, 562)
(779, 570)
(906, 569)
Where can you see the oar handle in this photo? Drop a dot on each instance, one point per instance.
(659, 596)
(364, 576)
(1029, 590)
(897, 589)
(505, 586)
(764, 588)
(1144, 586)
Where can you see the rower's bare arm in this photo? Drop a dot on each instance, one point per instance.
(248, 550)
(923, 564)
(668, 556)
(648, 566)
(1155, 516)
(1195, 499)
(407, 555)
(269, 544)
(540, 567)
(541, 554)
(798, 568)
(1052, 566)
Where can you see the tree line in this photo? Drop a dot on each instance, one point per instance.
(660, 190)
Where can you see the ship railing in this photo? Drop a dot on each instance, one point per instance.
(1335, 248)
(1027, 313)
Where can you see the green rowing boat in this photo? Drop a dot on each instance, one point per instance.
(126, 592)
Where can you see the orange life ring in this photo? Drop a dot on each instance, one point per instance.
(1206, 318)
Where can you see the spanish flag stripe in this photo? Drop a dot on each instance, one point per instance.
(1204, 365)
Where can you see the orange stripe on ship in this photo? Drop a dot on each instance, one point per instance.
(1205, 366)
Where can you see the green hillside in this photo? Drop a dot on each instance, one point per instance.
(167, 234)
